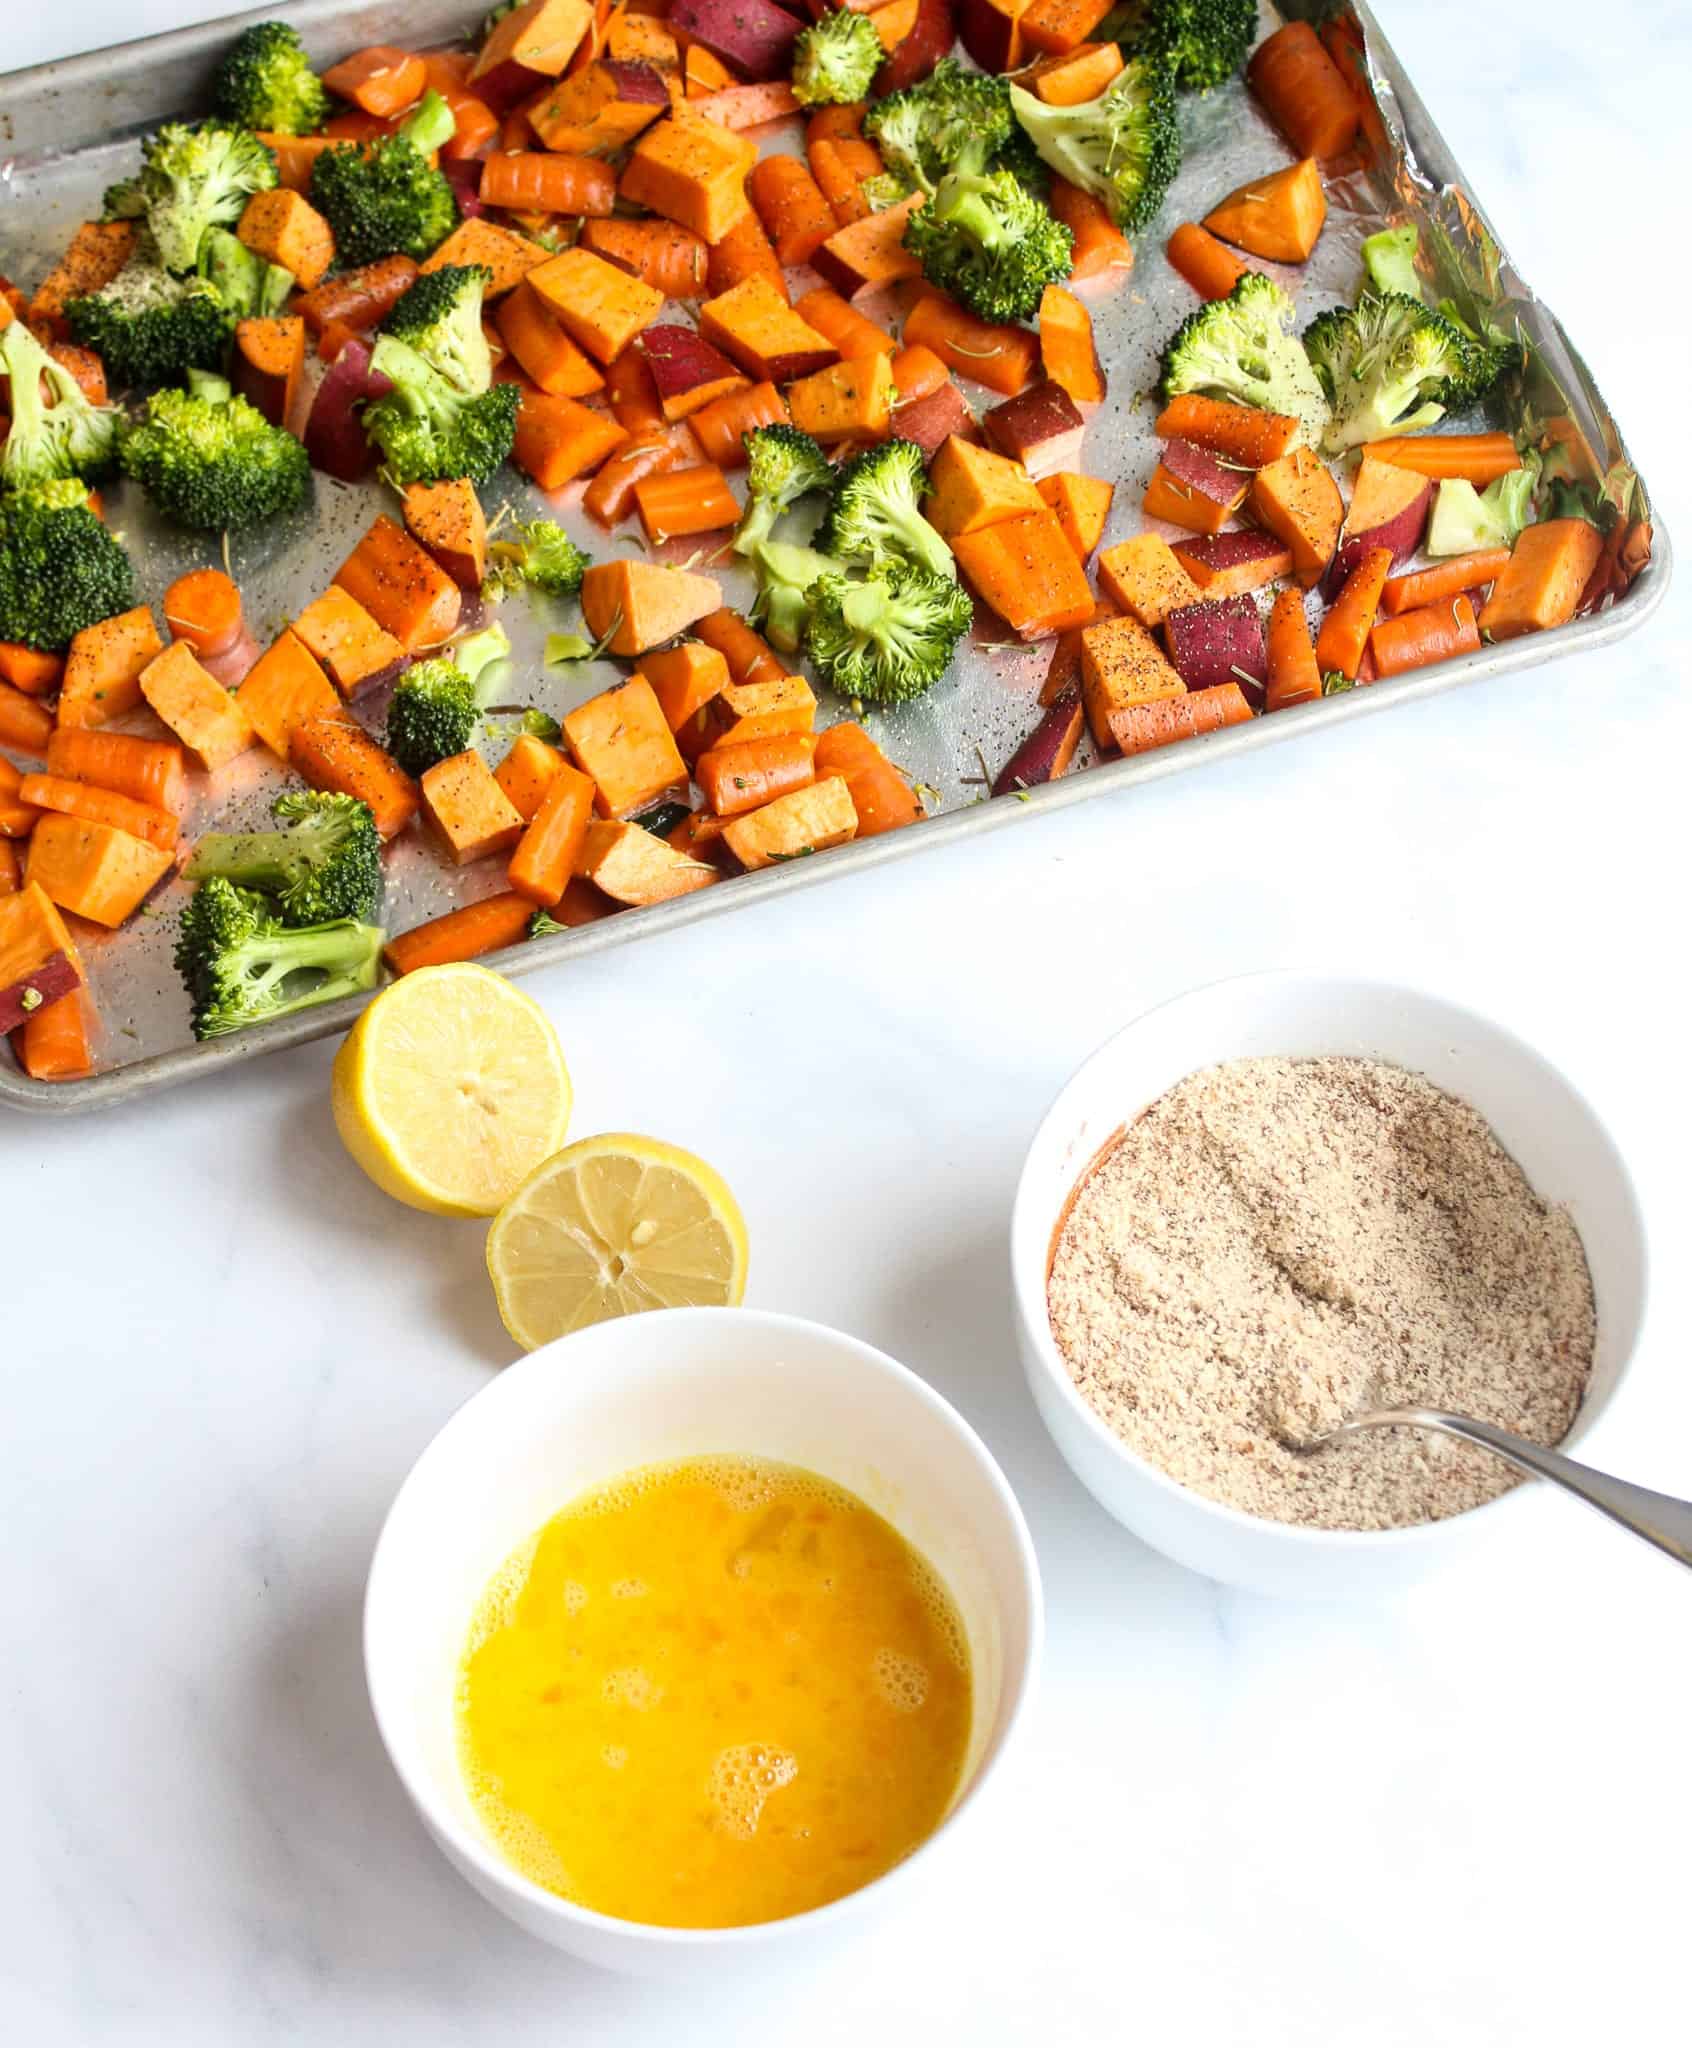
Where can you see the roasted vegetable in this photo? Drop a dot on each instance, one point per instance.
(438, 704)
(266, 81)
(783, 465)
(383, 199)
(215, 463)
(874, 514)
(445, 417)
(1123, 147)
(1387, 366)
(888, 638)
(537, 553)
(1241, 348)
(193, 179)
(1202, 42)
(835, 59)
(59, 434)
(244, 967)
(151, 328)
(60, 570)
(324, 864)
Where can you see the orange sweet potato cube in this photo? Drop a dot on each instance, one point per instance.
(341, 634)
(284, 227)
(804, 821)
(542, 36)
(510, 257)
(622, 739)
(469, 810)
(284, 688)
(684, 679)
(970, 487)
(202, 714)
(755, 327)
(632, 866)
(1144, 578)
(103, 669)
(1122, 664)
(559, 439)
(1082, 505)
(447, 519)
(692, 172)
(599, 306)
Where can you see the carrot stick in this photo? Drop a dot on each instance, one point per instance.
(611, 495)
(382, 80)
(532, 182)
(1138, 728)
(721, 426)
(24, 724)
(1345, 631)
(1304, 92)
(1480, 458)
(832, 124)
(1444, 580)
(750, 658)
(796, 216)
(918, 371)
(840, 164)
(745, 251)
(1294, 677)
(11, 869)
(100, 807)
(150, 772)
(359, 299)
(204, 608)
(1414, 639)
(29, 670)
(545, 857)
(1240, 432)
(676, 503)
(754, 772)
(461, 934)
(1208, 266)
(836, 320)
(1099, 245)
(631, 393)
(56, 1043)
(17, 816)
(670, 258)
(1003, 358)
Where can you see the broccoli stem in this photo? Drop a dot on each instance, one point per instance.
(269, 862)
(339, 952)
(964, 202)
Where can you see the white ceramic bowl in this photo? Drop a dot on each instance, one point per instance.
(1542, 1121)
(673, 1384)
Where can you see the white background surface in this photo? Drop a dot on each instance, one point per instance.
(1458, 1820)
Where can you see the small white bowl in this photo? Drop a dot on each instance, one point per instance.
(1545, 1124)
(681, 1383)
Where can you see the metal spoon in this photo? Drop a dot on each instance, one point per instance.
(1657, 1518)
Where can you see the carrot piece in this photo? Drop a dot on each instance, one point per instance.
(631, 393)
(485, 927)
(527, 773)
(850, 401)
(28, 669)
(743, 251)
(95, 871)
(1303, 91)
(382, 80)
(540, 182)
(1480, 459)
(1071, 77)
(918, 373)
(793, 210)
(24, 724)
(750, 658)
(808, 820)
(151, 771)
(753, 772)
(467, 808)
(623, 741)
(674, 504)
(447, 519)
(11, 868)
(558, 439)
(1278, 217)
(840, 164)
(90, 374)
(1294, 677)
(851, 333)
(269, 365)
(672, 259)
(1098, 244)
(1060, 25)
(611, 495)
(402, 587)
(1443, 581)
(1002, 358)
(100, 807)
(685, 679)
(547, 854)
(1068, 352)
(829, 123)
(359, 299)
(17, 816)
(1345, 630)
(1082, 505)
(721, 427)
(602, 308)
(1543, 580)
(881, 796)
(1027, 572)
(103, 668)
(691, 171)
(204, 608)
(1240, 433)
(1211, 270)
(56, 1042)
(335, 754)
(283, 689)
(1430, 633)
(1138, 728)
(97, 252)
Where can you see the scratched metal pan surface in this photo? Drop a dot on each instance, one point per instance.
(69, 129)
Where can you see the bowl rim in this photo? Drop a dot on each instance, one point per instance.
(1036, 1320)
(1016, 1692)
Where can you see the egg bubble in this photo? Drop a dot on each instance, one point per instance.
(902, 1681)
(631, 1687)
(742, 1779)
(575, 1596)
(629, 1589)
(614, 1756)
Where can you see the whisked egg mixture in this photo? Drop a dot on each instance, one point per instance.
(713, 1693)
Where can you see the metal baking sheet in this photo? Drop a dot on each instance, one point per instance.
(68, 129)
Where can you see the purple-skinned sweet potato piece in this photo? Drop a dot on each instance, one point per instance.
(465, 178)
(683, 362)
(915, 56)
(1229, 564)
(639, 85)
(1219, 641)
(753, 37)
(334, 435)
(1040, 428)
(1200, 471)
(934, 418)
(1048, 749)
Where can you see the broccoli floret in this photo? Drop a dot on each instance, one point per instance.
(59, 435)
(786, 574)
(1387, 366)
(835, 59)
(440, 316)
(60, 570)
(382, 200)
(123, 201)
(326, 863)
(438, 704)
(1203, 42)
(243, 967)
(266, 81)
(150, 328)
(1124, 147)
(783, 465)
(428, 429)
(1389, 262)
(1335, 682)
(953, 120)
(215, 465)
(888, 638)
(544, 926)
(1464, 519)
(537, 553)
(1240, 348)
(875, 512)
(250, 287)
(982, 238)
(197, 178)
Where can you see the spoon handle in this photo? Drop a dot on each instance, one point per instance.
(1657, 1517)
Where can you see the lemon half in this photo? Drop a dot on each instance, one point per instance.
(614, 1225)
(451, 1089)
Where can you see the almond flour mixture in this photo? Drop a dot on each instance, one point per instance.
(1278, 1243)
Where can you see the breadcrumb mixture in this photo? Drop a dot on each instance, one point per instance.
(1276, 1244)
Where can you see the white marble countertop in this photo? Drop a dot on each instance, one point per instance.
(1459, 1820)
